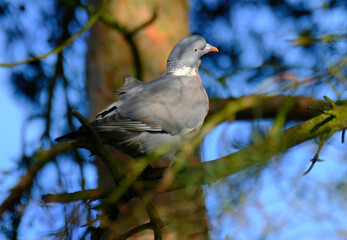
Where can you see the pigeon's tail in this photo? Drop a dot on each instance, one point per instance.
(73, 136)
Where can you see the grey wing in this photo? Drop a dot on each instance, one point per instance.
(129, 83)
(110, 119)
(177, 105)
(116, 122)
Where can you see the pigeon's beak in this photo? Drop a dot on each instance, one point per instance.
(210, 48)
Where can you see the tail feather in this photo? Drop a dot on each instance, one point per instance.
(69, 137)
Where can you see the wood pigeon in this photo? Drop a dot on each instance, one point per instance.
(151, 114)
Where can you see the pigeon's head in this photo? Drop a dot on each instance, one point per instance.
(188, 51)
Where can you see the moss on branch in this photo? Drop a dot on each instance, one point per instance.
(256, 154)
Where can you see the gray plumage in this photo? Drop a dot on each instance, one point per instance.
(150, 114)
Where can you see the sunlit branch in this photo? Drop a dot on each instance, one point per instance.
(262, 151)
(135, 230)
(97, 147)
(256, 154)
(91, 194)
(157, 223)
(268, 106)
(92, 20)
(41, 158)
(123, 185)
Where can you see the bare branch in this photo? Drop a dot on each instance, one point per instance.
(41, 159)
(254, 155)
(135, 230)
(69, 41)
(268, 107)
(97, 147)
(129, 35)
(91, 194)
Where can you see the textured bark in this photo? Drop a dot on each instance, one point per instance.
(269, 106)
(115, 53)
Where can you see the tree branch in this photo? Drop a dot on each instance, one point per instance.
(92, 20)
(25, 183)
(268, 107)
(91, 194)
(262, 151)
(157, 223)
(255, 155)
(129, 35)
(97, 147)
(135, 230)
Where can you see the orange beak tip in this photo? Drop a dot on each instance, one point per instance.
(214, 49)
(210, 48)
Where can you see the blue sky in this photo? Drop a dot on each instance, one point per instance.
(11, 124)
(273, 190)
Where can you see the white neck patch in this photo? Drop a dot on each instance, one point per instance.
(185, 71)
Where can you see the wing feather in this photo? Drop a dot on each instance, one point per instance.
(173, 104)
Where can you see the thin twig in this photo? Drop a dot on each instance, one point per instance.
(325, 136)
(67, 42)
(145, 24)
(129, 35)
(135, 230)
(343, 136)
(129, 38)
(99, 148)
(25, 183)
(59, 69)
(90, 194)
(157, 223)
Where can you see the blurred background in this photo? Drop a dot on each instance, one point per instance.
(286, 47)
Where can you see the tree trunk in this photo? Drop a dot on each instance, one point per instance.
(114, 53)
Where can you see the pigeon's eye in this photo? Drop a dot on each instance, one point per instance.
(195, 49)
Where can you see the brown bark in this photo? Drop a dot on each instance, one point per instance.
(268, 107)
